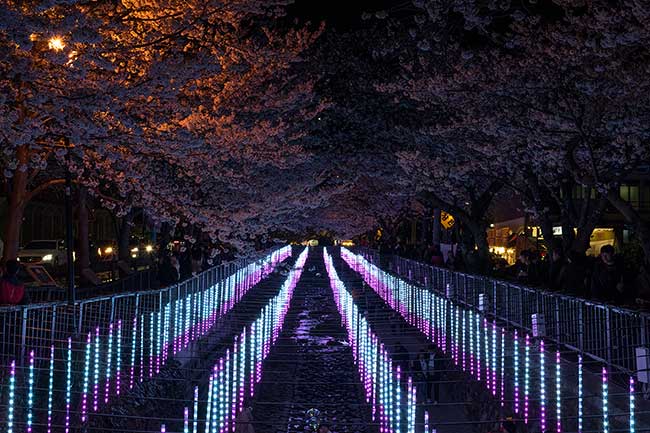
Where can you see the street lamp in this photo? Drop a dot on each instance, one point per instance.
(56, 43)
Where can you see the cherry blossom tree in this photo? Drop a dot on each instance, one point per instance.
(545, 99)
(145, 101)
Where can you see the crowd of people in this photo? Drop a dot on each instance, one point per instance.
(605, 277)
(181, 264)
(12, 290)
(171, 267)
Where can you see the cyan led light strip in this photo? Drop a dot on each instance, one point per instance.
(142, 326)
(30, 393)
(208, 408)
(96, 373)
(486, 340)
(50, 388)
(152, 333)
(99, 354)
(503, 357)
(109, 353)
(579, 393)
(118, 362)
(84, 396)
(12, 397)
(426, 421)
(134, 335)
(68, 386)
(195, 411)
(410, 302)
(515, 361)
(364, 342)
(228, 381)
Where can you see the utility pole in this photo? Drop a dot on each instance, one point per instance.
(69, 239)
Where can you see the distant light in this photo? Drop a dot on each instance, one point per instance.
(56, 43)
(491, 225)
(319, 118)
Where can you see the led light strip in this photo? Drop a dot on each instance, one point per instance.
(542, 386)
(605, 401)
(444, 323)
(30, 393)
(68, 386)
(632, 422)
(240, 368)
(558, 393)
(580, 408)
(386, 378)
(12, 397)
(526, 377)
(50, 388)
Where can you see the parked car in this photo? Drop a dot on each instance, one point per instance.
(50, 252)
(103, 251)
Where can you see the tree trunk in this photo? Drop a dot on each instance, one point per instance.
(12, 231)
(633, 217)
(16, 206)
(479, 233)
(547, 231)
(124, 236)
(83, 260)
(435, 238)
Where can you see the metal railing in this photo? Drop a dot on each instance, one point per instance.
(38, 325)
(606, 333)
(135, 282)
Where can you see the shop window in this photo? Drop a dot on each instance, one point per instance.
(630, 193)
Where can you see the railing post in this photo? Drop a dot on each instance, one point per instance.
(23, 332)
(507, 313)
(521, 307)
(494, 298)
(557, 320)
(608, 331)
(112, 315)
(53, 330)
(581, 326)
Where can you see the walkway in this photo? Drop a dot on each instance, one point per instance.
(311, 365)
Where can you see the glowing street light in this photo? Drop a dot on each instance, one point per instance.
(56, 43)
